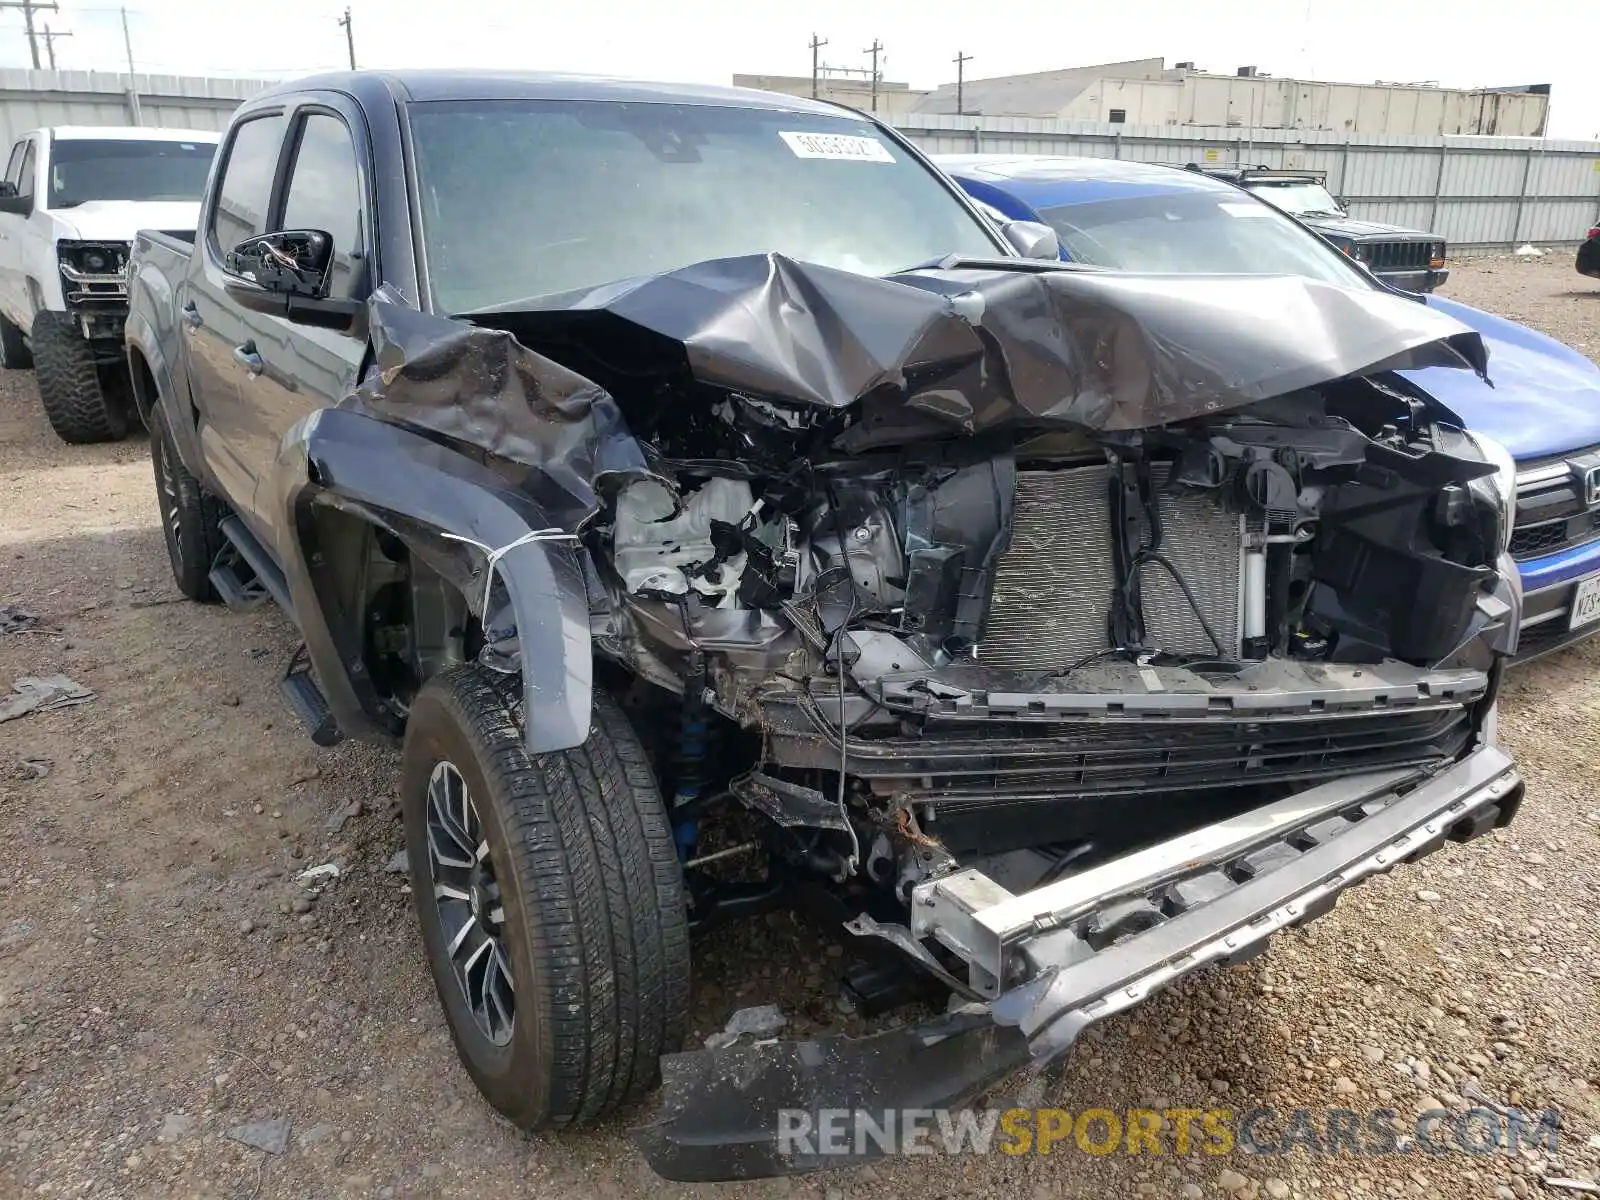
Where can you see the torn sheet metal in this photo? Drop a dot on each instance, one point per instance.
(974, 346)
(42, 693)
(984, 345)
(477, 387)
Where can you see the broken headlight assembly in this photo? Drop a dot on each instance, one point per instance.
(1501, 487)
(93, 262)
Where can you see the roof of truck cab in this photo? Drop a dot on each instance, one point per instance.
(1043, 180)
(128, 133)
(421, 86)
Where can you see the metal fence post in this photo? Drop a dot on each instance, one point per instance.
(1438, 189)
(1522, 197)
(1344, 173)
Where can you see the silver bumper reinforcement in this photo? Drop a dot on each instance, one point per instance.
(1071, 953)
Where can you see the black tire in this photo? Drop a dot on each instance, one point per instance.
(190, 519)
(586, 876)
(75, 400)
(14, 352)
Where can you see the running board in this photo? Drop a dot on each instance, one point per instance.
(244, 573)
(309, 704)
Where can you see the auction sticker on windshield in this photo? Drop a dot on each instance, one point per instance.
(1585, 603)
(838, 146)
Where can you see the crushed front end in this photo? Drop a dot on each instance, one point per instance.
(1068, 631)
(94, 287)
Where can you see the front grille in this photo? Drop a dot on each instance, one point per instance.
(1052, 589)
(1398, 256)
(1553, 510)
(1011, 762)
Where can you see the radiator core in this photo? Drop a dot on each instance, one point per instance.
(1052, 588)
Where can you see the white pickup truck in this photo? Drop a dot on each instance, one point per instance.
(70, 203)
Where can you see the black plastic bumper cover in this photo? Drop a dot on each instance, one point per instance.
(720, 1109)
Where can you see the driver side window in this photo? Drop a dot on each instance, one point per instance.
(244, 193)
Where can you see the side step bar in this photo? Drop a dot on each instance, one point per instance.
(308, 702)
(244, 573)
(245, 576)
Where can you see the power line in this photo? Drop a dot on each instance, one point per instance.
(349, 35)
(816, 44)
(28, 7)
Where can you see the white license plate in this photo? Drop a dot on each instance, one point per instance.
(1585, 603)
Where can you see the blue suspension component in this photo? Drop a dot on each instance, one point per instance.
(689, 762)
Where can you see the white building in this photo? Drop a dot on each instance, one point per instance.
(1146, 92)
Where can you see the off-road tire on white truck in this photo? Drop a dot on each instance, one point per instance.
(556, 881)
(14, 352)
(71, 387)
(190, 519)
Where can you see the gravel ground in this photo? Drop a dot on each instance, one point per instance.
(163, 979)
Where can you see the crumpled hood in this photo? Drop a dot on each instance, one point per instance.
(971, 347)
(1546, 395)
(119, 220)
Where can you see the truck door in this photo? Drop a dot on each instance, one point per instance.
(213, 323)
(13, 273)
(293, 369)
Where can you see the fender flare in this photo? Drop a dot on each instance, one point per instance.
(140, 338)
(380, 471)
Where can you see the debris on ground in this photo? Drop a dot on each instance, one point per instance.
(762, 1021)
(1529, 251)
(338, 820)
(1573, 1185)
(399, 863)
(327, 870)
(271, 1136)
(16, 620)
(41, 693)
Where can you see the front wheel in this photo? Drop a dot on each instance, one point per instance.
(550, 898)
(71, 387)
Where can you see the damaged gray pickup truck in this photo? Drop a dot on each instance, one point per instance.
(725, 512)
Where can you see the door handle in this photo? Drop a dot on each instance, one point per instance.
(191, 315)
(247, 358)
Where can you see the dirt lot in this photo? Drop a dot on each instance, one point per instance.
(164, 979)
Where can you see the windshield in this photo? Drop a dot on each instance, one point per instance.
(531, 198)
(83, 169)
(1195, 233)
(1301, 199)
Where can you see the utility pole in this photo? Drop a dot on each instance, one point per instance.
(350, 36)
(28, 7)
(875, 49)
(961, 60)
(816, 70)
(133, 80)
(50, 37)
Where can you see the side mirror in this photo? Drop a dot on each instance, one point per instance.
(294, 262)
(11, 202)
(288, 274)
(1032, 240)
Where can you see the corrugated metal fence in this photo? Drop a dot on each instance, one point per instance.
(1479, 192)
(35, 99)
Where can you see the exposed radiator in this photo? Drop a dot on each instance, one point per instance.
(1052, 590)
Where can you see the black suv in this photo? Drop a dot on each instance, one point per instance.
(1403, 258)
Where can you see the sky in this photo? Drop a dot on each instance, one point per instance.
(1457, 43)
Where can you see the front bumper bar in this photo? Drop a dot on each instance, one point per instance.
(1213, 895)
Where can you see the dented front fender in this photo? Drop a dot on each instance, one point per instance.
(426, 494)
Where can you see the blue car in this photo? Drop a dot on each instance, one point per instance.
(1542, 404)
